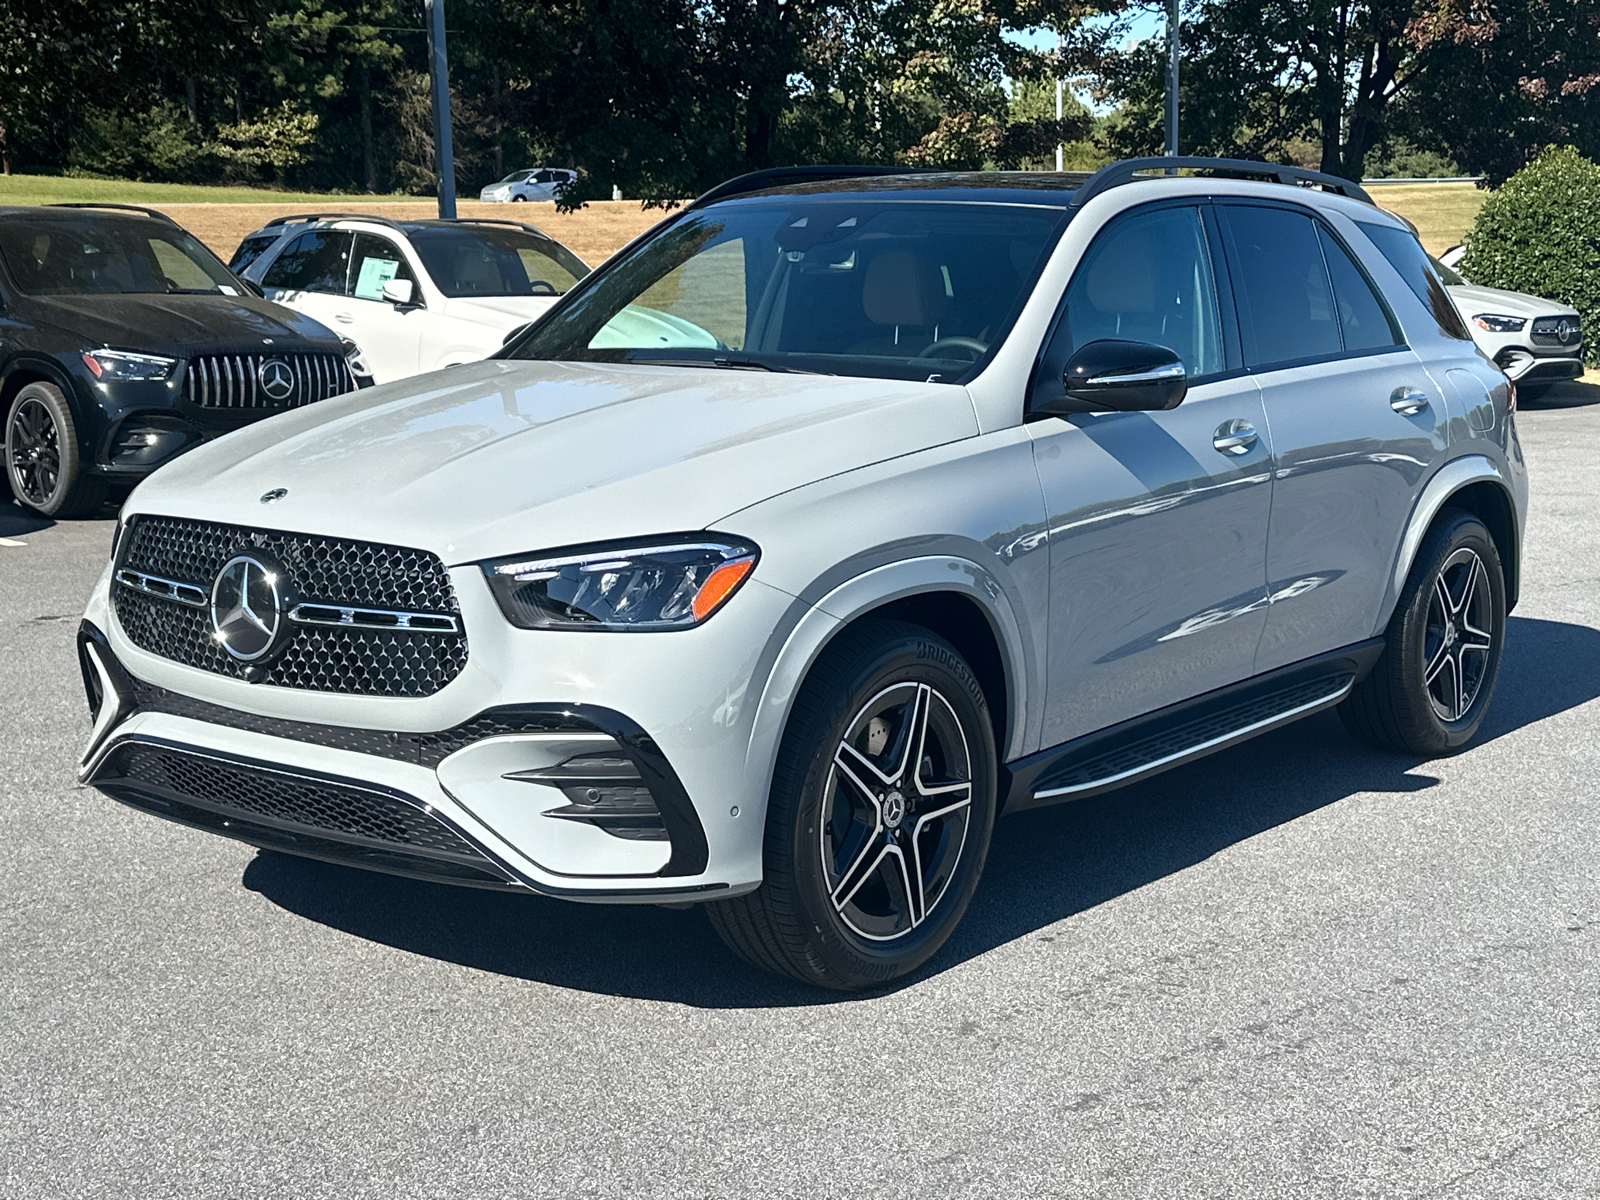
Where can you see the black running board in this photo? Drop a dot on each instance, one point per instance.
(1181, 733)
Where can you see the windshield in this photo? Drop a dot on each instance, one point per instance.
(841, 284)
(516, 177)
(53, 257)
(1445, 273)
(485, 260)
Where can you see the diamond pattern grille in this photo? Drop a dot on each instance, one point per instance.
(367, 662)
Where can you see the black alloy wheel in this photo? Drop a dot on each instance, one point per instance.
(1430, 689)
(883, 800)
(42, 463)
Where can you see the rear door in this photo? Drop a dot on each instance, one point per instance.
(1356, 423)
(1157, 526)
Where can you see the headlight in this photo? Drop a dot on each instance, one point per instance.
(124, 364)
(1493, 323)
(666, 585)
(356, 361)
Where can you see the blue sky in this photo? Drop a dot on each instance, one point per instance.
(1142, 24)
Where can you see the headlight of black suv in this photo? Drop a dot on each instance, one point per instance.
(670, 584)
(107, 364)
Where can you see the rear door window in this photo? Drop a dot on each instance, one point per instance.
(1280, 285)
(316, 261)
(1406, 255)
(1363, 320)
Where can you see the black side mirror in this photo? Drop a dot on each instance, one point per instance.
(1119, 376)
(251, 286)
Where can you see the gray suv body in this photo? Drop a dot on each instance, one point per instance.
(839, 515)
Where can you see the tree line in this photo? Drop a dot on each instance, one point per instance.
(663, 98)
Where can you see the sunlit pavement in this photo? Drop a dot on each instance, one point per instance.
(1299, 968)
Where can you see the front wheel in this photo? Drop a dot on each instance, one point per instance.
(1429, 691)
(883, 800)
(42, 463)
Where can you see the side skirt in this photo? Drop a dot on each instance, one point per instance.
(1180, 733)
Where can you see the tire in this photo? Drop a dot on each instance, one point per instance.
(841, 822)
(42, 463)
(519, 199)
(1431, 687)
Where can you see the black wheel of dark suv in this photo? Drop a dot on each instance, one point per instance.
(883, 801)
(42, 463)
(1430, 690)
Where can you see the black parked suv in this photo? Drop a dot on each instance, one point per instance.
(124, 341)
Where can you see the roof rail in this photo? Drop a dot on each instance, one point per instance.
(1128, 169)
(138, 208)
(757, 181)
(297, 218)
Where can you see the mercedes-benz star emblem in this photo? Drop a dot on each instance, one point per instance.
(246, 607)
(274, 495)
(1567, 331)
(276, 379)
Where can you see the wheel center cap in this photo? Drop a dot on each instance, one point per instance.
(894, 810)
(1450, 634)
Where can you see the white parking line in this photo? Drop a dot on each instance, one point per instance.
(11, 542)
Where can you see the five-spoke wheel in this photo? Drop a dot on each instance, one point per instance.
(1429, 691)
(883, 799)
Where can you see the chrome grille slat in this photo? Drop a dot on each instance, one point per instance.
(232, 381)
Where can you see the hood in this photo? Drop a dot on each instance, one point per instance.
(499, 312)
(1470, 300)
(179, 326)
(505, 457)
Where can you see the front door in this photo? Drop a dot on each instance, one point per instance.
(1356, 424)
(1158, 520)
(390, 338)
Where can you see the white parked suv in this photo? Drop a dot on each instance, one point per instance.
(413, 295)
(1538, 343)
(921, 499)
(536, 183)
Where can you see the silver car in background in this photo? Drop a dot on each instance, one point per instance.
(847, 511)
(536, 183)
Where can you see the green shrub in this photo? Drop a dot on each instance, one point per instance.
(1539, 232)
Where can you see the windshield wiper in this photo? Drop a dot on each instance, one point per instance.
(725, 363)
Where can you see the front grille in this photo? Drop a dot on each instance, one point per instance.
(323, 818)
(1566, 332)
(321, 571)
(265, 381)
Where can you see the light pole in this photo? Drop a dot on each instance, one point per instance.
(439, 80)
(1058, 100)
(1172, 78)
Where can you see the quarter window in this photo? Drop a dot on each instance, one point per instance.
(1149, 279)
(316, 261)
(1362, 318)
(1406, 255)
(1286, 310)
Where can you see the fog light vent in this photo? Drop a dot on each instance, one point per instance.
(604, 790)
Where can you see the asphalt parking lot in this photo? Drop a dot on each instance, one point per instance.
(1299, 968)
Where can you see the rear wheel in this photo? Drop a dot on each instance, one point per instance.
(42, 463)
(883, 800)
(1430, 690)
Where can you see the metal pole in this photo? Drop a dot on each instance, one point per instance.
(1058, 102)
(439, 72)
(1172, 78)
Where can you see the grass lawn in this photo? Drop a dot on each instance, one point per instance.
(1442, 212)
(57, 189)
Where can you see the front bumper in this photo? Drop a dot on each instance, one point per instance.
(477, 769)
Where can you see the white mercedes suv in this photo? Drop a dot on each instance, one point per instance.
(841, 514)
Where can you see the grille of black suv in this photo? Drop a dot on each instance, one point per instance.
(333, 572)
(1557, 331)
(324, 818)
(271, 381)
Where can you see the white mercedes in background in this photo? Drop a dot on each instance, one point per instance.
(1538, 343)
(413, 295)
(844, 512)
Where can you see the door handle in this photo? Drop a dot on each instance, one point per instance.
(344, 318)
(1408, 400)
(1234, 437)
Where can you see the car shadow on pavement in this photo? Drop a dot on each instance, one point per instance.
(16, 520)
(1044, 866)
(1574, 394)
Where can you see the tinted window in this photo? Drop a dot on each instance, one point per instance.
(54, 257)
(1362, 318)
(1149, 279)
(485, 260)
(252, 248)
(1406, 255)
(375, 262)
(318, 261)
(846, 283)
(1280, 286)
